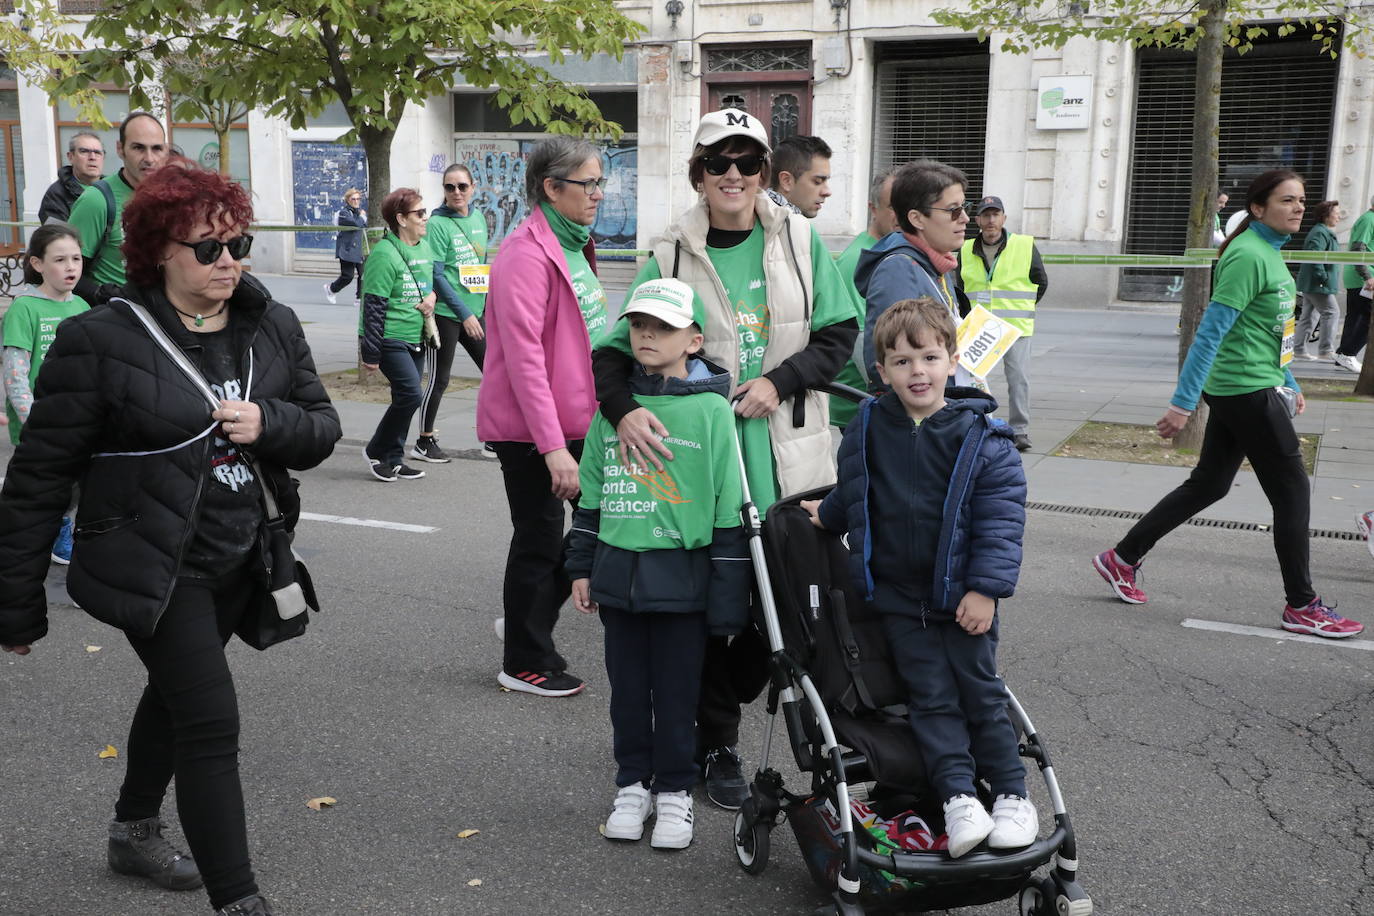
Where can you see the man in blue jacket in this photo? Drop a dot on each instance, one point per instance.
(932, 494)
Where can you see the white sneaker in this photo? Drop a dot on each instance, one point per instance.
(499, 625)
(1015, 825)
(673, 829)
(1365, 522)
(633, 806)
(1347, 362)
(1305, 354)
(966, 823)
(329, 294)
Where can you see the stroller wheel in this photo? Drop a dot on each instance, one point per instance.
(1036, 898)
(751, 842)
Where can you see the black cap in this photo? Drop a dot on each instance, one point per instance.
(990, 203)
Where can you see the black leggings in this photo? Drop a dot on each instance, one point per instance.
(1254, 426)
(346, 270)
(439, 364)
(1355, 333)
(187, 725)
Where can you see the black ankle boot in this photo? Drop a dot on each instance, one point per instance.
(137, 848)
(248, 906)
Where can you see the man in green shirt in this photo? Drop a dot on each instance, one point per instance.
(143, 147)
(882, 221)
(1359, 284)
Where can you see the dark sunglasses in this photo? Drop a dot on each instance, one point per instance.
(747, 165)
(954, 211)
(208, 251)
(420, 212)
(460, 186)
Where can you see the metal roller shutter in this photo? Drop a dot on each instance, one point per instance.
(931, 101)
(1277, 104)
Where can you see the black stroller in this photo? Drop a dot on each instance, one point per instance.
(842, 704)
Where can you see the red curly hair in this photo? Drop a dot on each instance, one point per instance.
(168, 204)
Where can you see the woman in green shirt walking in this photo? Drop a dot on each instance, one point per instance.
(1318, 284)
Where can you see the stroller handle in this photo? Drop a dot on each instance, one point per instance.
(841, 390)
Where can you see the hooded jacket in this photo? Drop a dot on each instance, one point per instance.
(964, 505)
(889, 272)
(348, 246)
(714, 578)
(107, 388)
(61, 194)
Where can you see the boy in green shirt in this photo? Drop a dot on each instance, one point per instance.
(662, 556)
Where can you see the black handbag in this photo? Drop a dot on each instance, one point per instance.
(278, 610)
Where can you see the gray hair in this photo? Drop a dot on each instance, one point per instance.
(71, 144)
(918, 185)
(556, 157)
(875, 188)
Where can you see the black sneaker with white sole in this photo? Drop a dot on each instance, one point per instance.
(406, 472)
(427, 449)
(380, 470)
(542, 683)
(725, 783)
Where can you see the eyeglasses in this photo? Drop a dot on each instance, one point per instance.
(590, 185)
(420, 212)
(747, 165)
(209, 250)
(87, 151)
(354, 197)
(966, 208)
(460, 186)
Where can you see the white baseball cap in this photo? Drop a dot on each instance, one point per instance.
(669, 300)
(731, 122)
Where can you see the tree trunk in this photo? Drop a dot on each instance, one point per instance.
(1197, 281)
(377, 148)
(1365, 383)
(222, 138)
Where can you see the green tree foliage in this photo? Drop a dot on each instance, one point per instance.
(1205, 27)
(292, 58)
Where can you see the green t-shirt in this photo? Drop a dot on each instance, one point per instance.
(679, 507)
(89, 216)
(458, 241)
(31, 324)
(1362, 231)
(1253, 279)
(591, 298)
(403, 275)
(842, 410)
(745, 284)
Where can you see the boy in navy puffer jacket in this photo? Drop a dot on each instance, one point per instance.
(932, 494)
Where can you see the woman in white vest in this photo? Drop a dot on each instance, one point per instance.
(779, 317)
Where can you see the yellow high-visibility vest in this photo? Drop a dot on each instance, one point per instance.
(1009, 293)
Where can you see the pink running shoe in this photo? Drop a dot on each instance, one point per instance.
(1318, 619)
(1365, 522)
(1120, 576)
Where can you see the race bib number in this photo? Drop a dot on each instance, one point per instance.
(474, 277)
(983, 340)
(1290, 333)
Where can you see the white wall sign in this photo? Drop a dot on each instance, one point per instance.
(1064, 103)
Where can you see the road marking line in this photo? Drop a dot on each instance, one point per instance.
(1271, 633)
(367, 523)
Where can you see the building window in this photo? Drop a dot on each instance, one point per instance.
(478, 113)
(759, 58)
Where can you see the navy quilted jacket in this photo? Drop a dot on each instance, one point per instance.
(107, 388)
(984, 499)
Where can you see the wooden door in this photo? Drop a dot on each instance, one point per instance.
(783, 107)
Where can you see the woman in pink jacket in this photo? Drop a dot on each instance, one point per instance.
(544, 307)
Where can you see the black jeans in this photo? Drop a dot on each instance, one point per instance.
(653, 662)
(535, 585)
(346, 271)
(439, 365)
(401, 363)
(1254, 426)
(734, 671)
(187, 725)
(1355, 332)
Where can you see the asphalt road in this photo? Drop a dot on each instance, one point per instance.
(1207, 772)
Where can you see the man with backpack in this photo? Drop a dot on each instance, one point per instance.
(98, 213)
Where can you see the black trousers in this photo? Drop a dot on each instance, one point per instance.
(734, 671)
(187, 725)
(346, 271)
(1254, 426)
(1355, 331)
(439, 365)
(536, 584)
(653, 662)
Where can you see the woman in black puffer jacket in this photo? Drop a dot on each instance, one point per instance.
(170, 518)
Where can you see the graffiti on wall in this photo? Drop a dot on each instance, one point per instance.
(498, 171)
(320, 173)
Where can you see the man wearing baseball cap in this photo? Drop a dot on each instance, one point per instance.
(662, 556)
(1003, 273)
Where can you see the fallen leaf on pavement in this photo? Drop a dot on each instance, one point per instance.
(93, 648)
(324, 801)
(464, 834)
(475, 882)
(108, 752)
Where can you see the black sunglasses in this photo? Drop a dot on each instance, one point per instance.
(209, 250)
(460, 186)
(747, 165)
(420, 212)
(968, 208)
